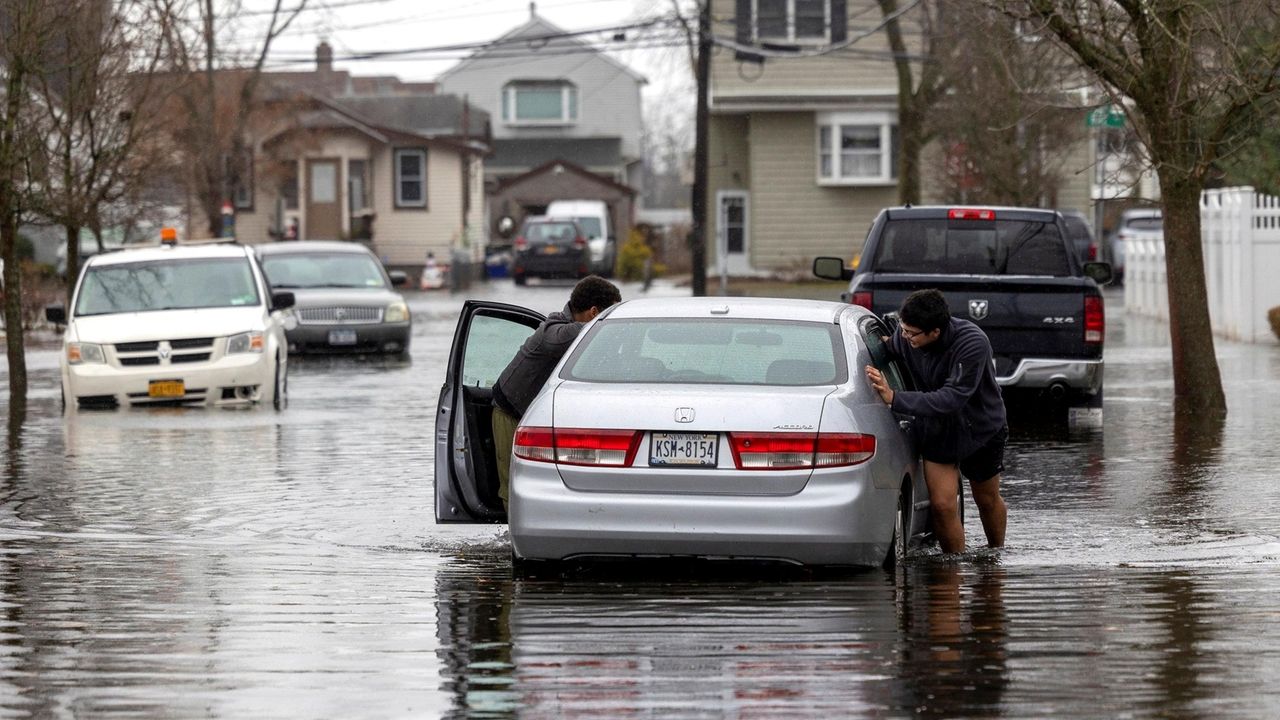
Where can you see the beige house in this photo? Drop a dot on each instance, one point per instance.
(803, 150)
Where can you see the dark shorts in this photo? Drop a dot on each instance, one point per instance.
(982, 464)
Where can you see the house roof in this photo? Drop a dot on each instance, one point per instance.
(536, 27)
(561, 165)
(531, 152)
(424, 115)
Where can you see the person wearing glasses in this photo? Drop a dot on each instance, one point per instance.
(960, 424)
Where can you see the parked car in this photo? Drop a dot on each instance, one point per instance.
(726, 427)
(593, 217)
(1080, 232)
(1134, 224)
(344, 297)
(174, 325)
(549, 248)
(1010, 270)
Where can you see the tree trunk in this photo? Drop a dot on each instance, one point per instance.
(910, 145)
(1197, 383)
(14, 345)
(73, 258)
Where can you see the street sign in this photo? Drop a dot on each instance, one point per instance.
(1104, 115)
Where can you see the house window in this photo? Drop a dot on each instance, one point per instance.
(357, 186)
(242, 187)
(288, 174)
(530, 102)
(792, 21)
(857, 149)
(411, 178)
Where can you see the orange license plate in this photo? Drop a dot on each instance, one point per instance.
(166, 389)
(550, 249)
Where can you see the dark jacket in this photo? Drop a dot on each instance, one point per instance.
(959, 399)
(529, 369)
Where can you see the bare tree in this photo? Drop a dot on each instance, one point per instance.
(217, 91)
(1193, 78)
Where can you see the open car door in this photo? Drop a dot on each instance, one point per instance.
(466, 475)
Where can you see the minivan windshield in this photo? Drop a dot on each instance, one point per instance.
(697, 350)
(975, 247)
(178, 284)
(317, 270)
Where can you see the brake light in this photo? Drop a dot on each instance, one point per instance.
(521, 243)
(1093, 252)
(573, 446)
(792, 451)
(579, 242)
(1095, 323)
(862, 298)
(970, 214)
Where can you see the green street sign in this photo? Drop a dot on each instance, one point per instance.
(1104, 115)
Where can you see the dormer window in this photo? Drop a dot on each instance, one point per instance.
(540, 102)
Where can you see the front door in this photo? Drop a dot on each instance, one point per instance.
(324, 207)
(466, 473)
(732, 236)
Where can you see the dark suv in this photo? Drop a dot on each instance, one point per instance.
(550, 248)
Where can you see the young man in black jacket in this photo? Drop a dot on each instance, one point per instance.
(959, 413)
(529, 369)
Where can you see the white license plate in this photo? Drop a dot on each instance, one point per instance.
(342, 337)
(684, 449)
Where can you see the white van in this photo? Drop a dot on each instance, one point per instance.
(593, 217)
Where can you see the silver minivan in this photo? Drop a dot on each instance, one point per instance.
(695, 427)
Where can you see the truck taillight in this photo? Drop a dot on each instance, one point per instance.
(579, 242)
(795, 451)
(521, 243)
(970, 214)
(574, 446)
(862, 298)
(1095, 322)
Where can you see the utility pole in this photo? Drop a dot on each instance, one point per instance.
(698, 234)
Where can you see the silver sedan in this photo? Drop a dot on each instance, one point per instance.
(695, 427)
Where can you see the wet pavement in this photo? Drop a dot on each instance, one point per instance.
(231, 564)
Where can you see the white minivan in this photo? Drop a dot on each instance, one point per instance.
(593, 217)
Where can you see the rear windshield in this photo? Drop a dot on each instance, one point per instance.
(1145, 223)
(736, 352)
(977, 247)
(167, 285)
(315, 270)
(550, 232)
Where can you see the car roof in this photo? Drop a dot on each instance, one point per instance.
(1136, 213)
(152, 253)
(303, 247)
(757, 308)
(941, 211)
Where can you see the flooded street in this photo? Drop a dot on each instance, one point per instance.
(178, 563)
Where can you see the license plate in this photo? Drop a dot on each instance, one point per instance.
(342, 337)
(550, 249)
(166, 389)
(684, 449)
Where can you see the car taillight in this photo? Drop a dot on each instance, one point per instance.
(793, 451)
(579, 242)
(521, 243)
(574, 446)
(862, 298)
(970, 214)
(1093, 252)
(1095, 323)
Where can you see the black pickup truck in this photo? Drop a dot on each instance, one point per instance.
(1010, 270)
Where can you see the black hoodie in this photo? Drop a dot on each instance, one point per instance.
(529, 369)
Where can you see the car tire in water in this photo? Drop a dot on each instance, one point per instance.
(526, 568)
(280, 398)
(901, 530)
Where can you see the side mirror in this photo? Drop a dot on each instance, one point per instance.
(281, 301)
(398, 277)
(1100, 272)
(56, 314)
(831, 268)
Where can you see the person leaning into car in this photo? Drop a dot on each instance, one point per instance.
(960, 423)
(525, 375)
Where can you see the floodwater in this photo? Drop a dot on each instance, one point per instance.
(254, 564)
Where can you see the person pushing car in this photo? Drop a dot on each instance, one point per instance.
(960, 424)
(528, 371)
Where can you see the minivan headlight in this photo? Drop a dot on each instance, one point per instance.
(396, 312)
(79, 353)
(245, 342)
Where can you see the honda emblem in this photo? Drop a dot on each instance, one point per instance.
(684, 415)
(978, 309)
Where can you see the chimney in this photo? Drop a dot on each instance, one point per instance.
(324, 57)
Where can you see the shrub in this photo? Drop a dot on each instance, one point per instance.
(1274, 316)
(632, 256)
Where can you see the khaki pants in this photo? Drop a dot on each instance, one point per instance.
(504, 436)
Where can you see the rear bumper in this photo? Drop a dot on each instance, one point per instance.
(839, 518)
(1041, 374)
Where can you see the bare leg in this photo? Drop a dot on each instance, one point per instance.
(944, 488)
(991, 509)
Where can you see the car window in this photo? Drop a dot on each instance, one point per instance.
(167, 285)
(491, 343)
(742, 352)
(979, 247)
(873, 334)
(551, 232)
(311, 270)
(590, 226)
(1145, 223)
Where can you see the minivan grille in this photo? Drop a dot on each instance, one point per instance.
(344, 315)
(181, 350)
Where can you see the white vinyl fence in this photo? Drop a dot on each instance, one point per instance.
(1240, 236)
